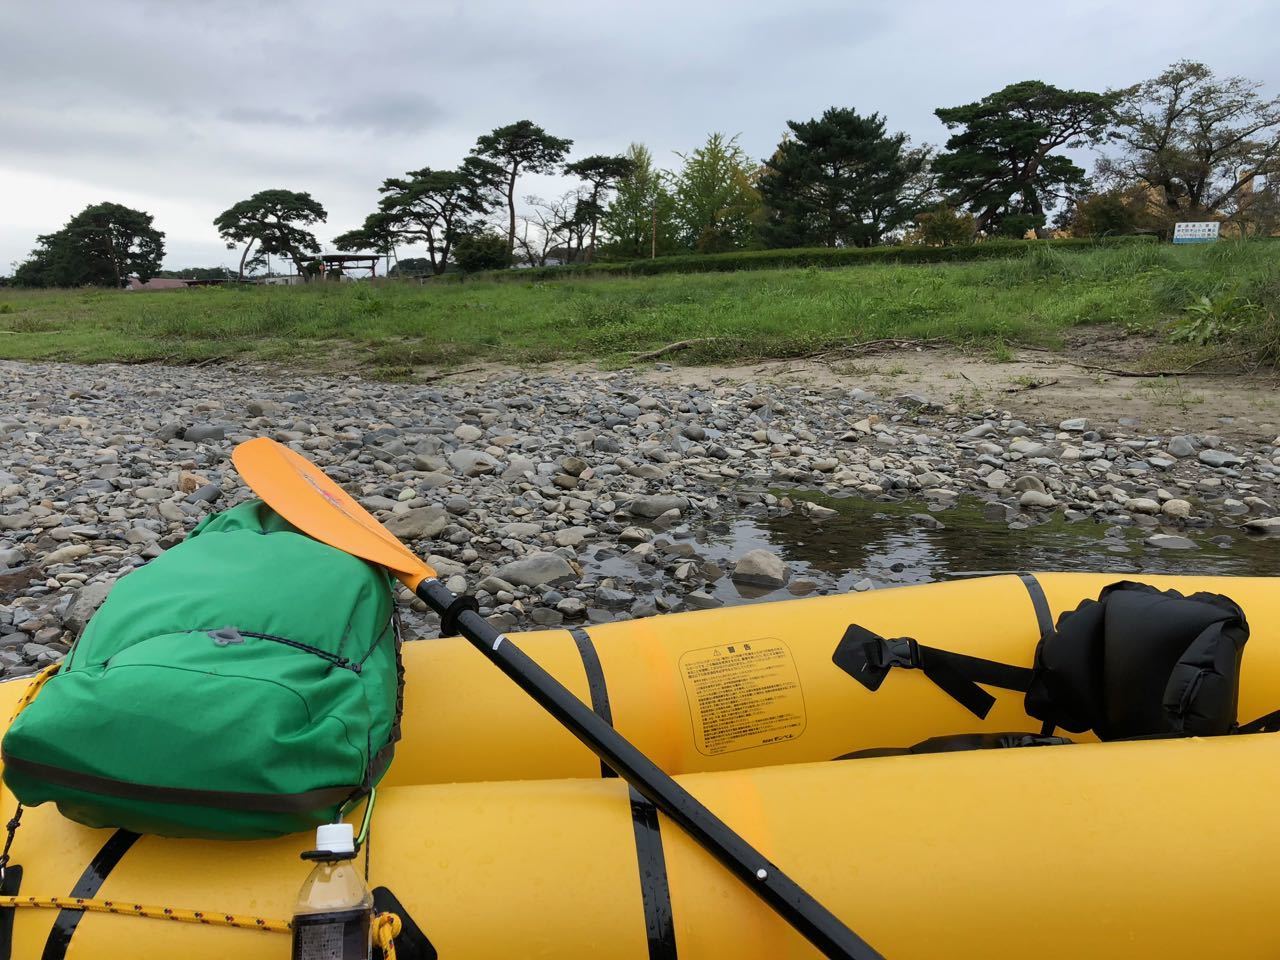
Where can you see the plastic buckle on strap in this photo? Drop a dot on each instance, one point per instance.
(868, 657)
(896, 652)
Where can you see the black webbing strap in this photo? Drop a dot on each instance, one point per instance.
(869, 658)
(1267, 723)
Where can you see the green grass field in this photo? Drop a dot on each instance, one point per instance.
(1031, 298)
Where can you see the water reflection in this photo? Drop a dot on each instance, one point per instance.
(895, 543)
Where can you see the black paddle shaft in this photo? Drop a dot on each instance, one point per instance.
(810, 918)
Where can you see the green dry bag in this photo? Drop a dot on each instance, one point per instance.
(244, 684)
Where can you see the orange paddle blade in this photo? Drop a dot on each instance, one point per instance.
(303, 494)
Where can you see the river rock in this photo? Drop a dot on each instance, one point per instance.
(418, 524)
(655, 506)
(1037, 498)
(760, 568)
(472, 463)
(1219, 458)
(1263, 525)
(536, 570)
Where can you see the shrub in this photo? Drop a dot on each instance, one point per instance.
(482, 251)
(943, 227)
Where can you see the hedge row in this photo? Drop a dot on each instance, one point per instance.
(803, 257)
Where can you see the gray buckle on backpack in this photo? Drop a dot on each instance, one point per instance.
(225, 636)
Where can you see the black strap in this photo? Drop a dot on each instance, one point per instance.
(90, 882)
(596, 687)
(9, 887)
(220, 799)
(1039, 603)
(959, 675)
(869, 658)
(654, 889)
(655, 892)
(1267, 723)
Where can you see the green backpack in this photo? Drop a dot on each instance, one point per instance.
(246, 683)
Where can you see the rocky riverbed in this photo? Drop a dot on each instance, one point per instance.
(571, 498)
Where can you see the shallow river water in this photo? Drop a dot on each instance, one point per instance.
(888, 544)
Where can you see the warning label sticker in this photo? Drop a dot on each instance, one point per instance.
(742, 695)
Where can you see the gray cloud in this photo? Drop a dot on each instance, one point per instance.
(184, 108)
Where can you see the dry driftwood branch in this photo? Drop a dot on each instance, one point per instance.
(862, 347)
(1030, 385)
(672, 348)
(1123, 372)
(431, 378)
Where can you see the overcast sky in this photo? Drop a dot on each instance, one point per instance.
(183, 108)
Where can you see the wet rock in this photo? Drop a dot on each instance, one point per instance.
(655, 506)
(760, 568)
(1142, 505)
(571, 607)
(701, 600)
(1167, 541)
(1028, 482)
(536, 570)
(926, 521)
(1263, 525)
(1038, 499)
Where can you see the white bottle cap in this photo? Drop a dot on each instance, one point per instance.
(336, 838)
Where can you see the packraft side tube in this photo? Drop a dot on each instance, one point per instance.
(1116, 850)
(660, 680)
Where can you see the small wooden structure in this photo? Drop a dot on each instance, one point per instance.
(338, 264)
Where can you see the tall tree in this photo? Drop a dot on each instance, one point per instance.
(640, 220)
(717, 205)
(1202, 142)
(520, 147)
(839, 180)
(437, 206)
(102, 245)
(1000, 164)
(602, 174)
(276, 220)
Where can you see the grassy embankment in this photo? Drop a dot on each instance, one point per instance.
(1034, 297)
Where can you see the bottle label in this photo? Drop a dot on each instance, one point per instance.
(336, 935)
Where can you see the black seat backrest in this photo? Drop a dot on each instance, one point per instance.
(1141, 662)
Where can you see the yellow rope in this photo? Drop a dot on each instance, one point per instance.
(386, 926)
(38, 681)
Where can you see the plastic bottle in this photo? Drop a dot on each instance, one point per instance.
(333, 919)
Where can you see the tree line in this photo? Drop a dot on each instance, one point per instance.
(1186, 144)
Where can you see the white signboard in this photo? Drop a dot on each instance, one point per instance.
(1195, 232)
